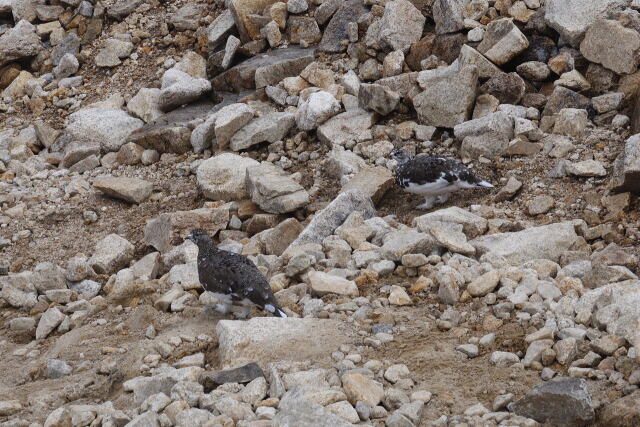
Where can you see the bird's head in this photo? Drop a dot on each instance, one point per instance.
(198, 236)
(400, 155)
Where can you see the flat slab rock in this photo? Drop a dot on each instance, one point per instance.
(132, 190)
(545, 242)
(373, 181)
(269, 339)
(241, 375)
(325, 221)
(263, 70)
(171, 132)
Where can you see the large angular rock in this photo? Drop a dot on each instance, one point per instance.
(611, 44)
(472, 225)
(400, 26)
(111, 254)
(544, 242)
(561, 98)
(266, 69)
(626, 170)
(166, 229)
(398, 243)
(508, 88)
(273, 190)
(162, 381)
(229, 120)
(502, 41)
(323, 283)
(337, 29)
(624, 412)
(122, 8)
(48, 322)
(377, 98)
(572, 18)
(326, 221)
(219, 30)
(110, 128)
(498, 124)
(470, 56)
(448, 97)
(448, 16)
(187, 17)
(271, 127)
(132, 190)
(241, 11)
(372, 181)
(112, 52)
(295, 410)
(146, 104)
(79, 150)
(303, 29)
(18, 290)
(615, 308)
(19, 42)
(345, 127)
(315, 110)
(564, 401)
(180, 88)
(172, 131)
(223, 177)
(270, 339)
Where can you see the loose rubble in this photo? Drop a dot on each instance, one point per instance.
(126, 124)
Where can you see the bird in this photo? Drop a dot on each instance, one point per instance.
(233, 278)
(433, 177)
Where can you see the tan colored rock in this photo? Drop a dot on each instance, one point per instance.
(323, 283)
(398, 296)
(609, 43)
(484, 284)
(361, 388)
(132, 190)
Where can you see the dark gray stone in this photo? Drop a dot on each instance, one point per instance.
(565, 98)
(171, 132)
(561, 402)
(263, 70)
(69, 44)
(337, 30)
(242, 375)
(122, 8)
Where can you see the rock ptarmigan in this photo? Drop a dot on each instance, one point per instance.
(233, 278)
(433, 177)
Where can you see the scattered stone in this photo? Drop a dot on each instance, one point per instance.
(132, 190)
(268, 128)
(269, 339)
(111, 254)
(502, 41)
(565, 401)
(273, 190)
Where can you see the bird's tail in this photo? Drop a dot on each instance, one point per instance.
(272, 308)
(484, 184)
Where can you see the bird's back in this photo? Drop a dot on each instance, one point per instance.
(233, 274)
(424, 169)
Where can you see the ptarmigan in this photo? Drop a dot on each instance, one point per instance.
(432, 177)
(233, 278)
